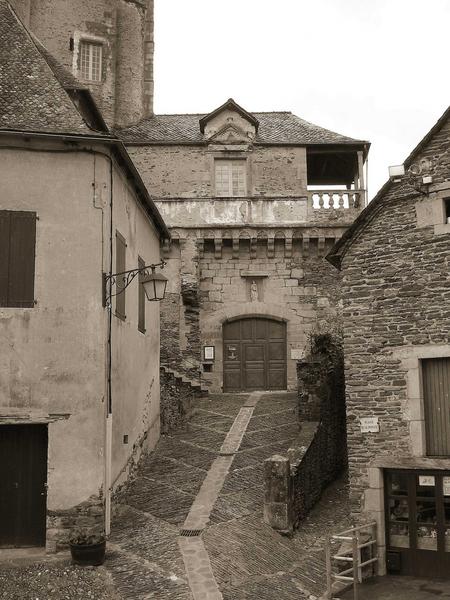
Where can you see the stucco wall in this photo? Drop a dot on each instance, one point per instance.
(55, 368)
(135, 366)
(55, 363)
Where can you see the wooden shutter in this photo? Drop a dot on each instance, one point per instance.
(17, 262)
(141, 299)
(436, 394)
(120, 268)
(4, 256)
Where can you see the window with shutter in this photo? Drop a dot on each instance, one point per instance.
(230, 177)
(17, 258)
(121, 247)
(141, 298)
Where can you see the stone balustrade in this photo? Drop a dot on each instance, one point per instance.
(336, 199)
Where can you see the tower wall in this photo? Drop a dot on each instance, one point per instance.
(124, 28)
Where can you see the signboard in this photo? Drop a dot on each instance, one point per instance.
(369, 425)
(446, 485)
(297, 353)
(427, 480)
(208, 352)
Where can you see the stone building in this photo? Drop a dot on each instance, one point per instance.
(253, 201)
(106, 44)
(394, 263)
(73, 415)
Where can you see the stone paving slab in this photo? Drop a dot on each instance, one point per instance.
(198, 568)
(188, 454)
(202, 506)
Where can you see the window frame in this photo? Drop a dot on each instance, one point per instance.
(90, 44)
(231, 162)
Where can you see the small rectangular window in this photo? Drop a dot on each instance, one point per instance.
(230, 177)
(141, 298)
(17, 258)
(91, 54)
(121, 248)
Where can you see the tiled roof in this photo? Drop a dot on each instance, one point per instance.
(32, 94)
(274, 128)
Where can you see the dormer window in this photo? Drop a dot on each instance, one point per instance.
(91, 54)
(230, 178)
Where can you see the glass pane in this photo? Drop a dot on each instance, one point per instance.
(426, 512)
(425, 485)
(398, 509)
(398, 484)
(426, 537)
(399, 535)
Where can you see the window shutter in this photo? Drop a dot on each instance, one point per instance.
(141, 299)
(22, 248)
(120, 268)
(4, 255)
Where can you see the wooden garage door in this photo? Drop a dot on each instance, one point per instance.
(254, 354)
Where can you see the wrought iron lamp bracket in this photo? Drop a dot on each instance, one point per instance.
(125, 277)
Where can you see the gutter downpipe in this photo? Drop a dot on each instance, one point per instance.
(108, 408)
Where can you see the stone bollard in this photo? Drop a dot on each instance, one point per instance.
(278, 495)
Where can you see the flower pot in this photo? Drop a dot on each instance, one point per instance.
(88, 554)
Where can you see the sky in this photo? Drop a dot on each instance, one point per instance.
(375, 70)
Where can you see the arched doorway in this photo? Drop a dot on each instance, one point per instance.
(254, 354)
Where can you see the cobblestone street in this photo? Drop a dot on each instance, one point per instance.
(210, 479)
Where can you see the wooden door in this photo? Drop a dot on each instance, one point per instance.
(23, 477)
(436, 396)
(254, 355)
(418, 521)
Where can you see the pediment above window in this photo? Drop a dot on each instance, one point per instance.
(229, 123)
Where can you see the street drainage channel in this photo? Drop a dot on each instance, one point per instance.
(200, 575)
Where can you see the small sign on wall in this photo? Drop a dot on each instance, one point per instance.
(208, 352)
(369, 425)
(297, 353)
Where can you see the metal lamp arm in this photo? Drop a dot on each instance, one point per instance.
(127, 277)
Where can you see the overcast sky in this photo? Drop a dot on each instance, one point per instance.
(375, 70)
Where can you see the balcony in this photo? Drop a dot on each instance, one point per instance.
(316, 206)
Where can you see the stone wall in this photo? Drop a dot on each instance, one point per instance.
(88, 516)
(125, 30)
(395, 291)
(177, 395)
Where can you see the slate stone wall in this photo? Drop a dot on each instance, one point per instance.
(177, 396)
(396, 289)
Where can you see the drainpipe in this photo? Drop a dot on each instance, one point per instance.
(108, 408)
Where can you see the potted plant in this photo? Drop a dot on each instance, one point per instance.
(87, 547)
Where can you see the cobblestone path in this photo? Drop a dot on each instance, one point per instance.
(209, 478)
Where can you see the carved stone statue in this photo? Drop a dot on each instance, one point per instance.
(254, 292)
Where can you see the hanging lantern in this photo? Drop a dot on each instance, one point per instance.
(154, 285)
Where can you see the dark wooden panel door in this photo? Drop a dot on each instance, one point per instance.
(23, 477)
(436, 395)
(254, 354)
